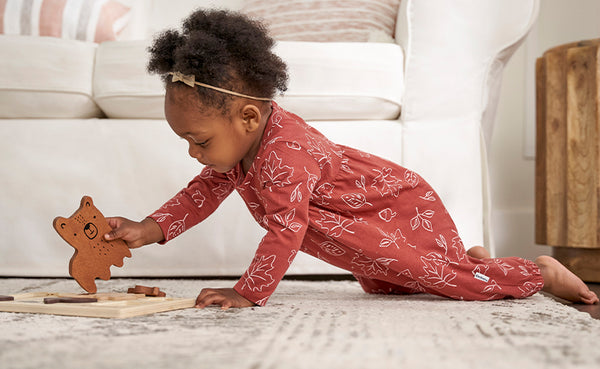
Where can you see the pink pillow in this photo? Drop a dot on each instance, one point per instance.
(327, 20)
(85, 20)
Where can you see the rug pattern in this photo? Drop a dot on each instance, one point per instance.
(305, 325)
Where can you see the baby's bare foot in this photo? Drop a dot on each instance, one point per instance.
(478, 252)
(561, 282)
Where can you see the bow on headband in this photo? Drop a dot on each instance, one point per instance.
(190, 80)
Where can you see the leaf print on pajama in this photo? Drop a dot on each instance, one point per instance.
(258, 276)
(378, 220)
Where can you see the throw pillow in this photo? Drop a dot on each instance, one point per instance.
(85, 20)
(327, 20)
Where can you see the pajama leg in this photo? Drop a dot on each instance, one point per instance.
(477, 279)
(382, 287)
(445, 269)
(491, 279)
(432, 255)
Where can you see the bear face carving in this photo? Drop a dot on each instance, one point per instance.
(93, 256)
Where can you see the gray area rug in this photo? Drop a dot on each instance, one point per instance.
(305, 325)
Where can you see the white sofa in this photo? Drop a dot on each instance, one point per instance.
(84, 119)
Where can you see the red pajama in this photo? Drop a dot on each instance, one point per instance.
(372, 217)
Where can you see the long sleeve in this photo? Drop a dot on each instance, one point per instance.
(284, 181)
(193, 204)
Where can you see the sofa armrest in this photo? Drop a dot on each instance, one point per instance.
(455, 52)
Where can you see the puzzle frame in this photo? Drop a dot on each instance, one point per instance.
(33, 302)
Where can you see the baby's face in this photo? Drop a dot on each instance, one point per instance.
(215, 140)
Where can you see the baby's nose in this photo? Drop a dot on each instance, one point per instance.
(194, 152)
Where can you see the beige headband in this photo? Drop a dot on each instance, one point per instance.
(190, 80)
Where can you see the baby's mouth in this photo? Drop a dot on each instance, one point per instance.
(205, 164)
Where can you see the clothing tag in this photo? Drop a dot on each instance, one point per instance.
(482, 277)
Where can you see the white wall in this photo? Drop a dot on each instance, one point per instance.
(512, 162)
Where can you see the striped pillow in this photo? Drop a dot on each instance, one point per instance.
(327, 20)
(85, 20)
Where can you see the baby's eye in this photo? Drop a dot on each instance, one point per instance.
(203, 143)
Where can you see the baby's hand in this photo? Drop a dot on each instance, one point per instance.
(135, 234)
(226, 297)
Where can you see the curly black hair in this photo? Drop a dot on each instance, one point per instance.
(224, 49)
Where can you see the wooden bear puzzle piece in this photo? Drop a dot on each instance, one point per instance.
(93, 256)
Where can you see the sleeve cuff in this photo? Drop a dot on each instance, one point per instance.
(250, 297)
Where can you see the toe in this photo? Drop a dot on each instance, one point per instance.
(589, 298)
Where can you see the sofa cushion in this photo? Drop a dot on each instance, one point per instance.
(87, 20)
(343, 80)
(328, 81)
(327, 20)
(122, 87)
(46, 77)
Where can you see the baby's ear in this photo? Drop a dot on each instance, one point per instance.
(251, 116)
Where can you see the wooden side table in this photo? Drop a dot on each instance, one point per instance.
(567, 176)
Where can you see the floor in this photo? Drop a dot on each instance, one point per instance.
(305, 325)
(593, 310)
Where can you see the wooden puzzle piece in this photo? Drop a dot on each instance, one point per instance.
(148, 291)
(93, 256)
(106, 296)
(69, 300)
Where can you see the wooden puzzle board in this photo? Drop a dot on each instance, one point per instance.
(34, 303)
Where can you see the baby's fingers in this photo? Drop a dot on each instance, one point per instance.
(129, 231)
(226, 305)
(114, 222)
(226, 297)
(209, 296)
(116, 233)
